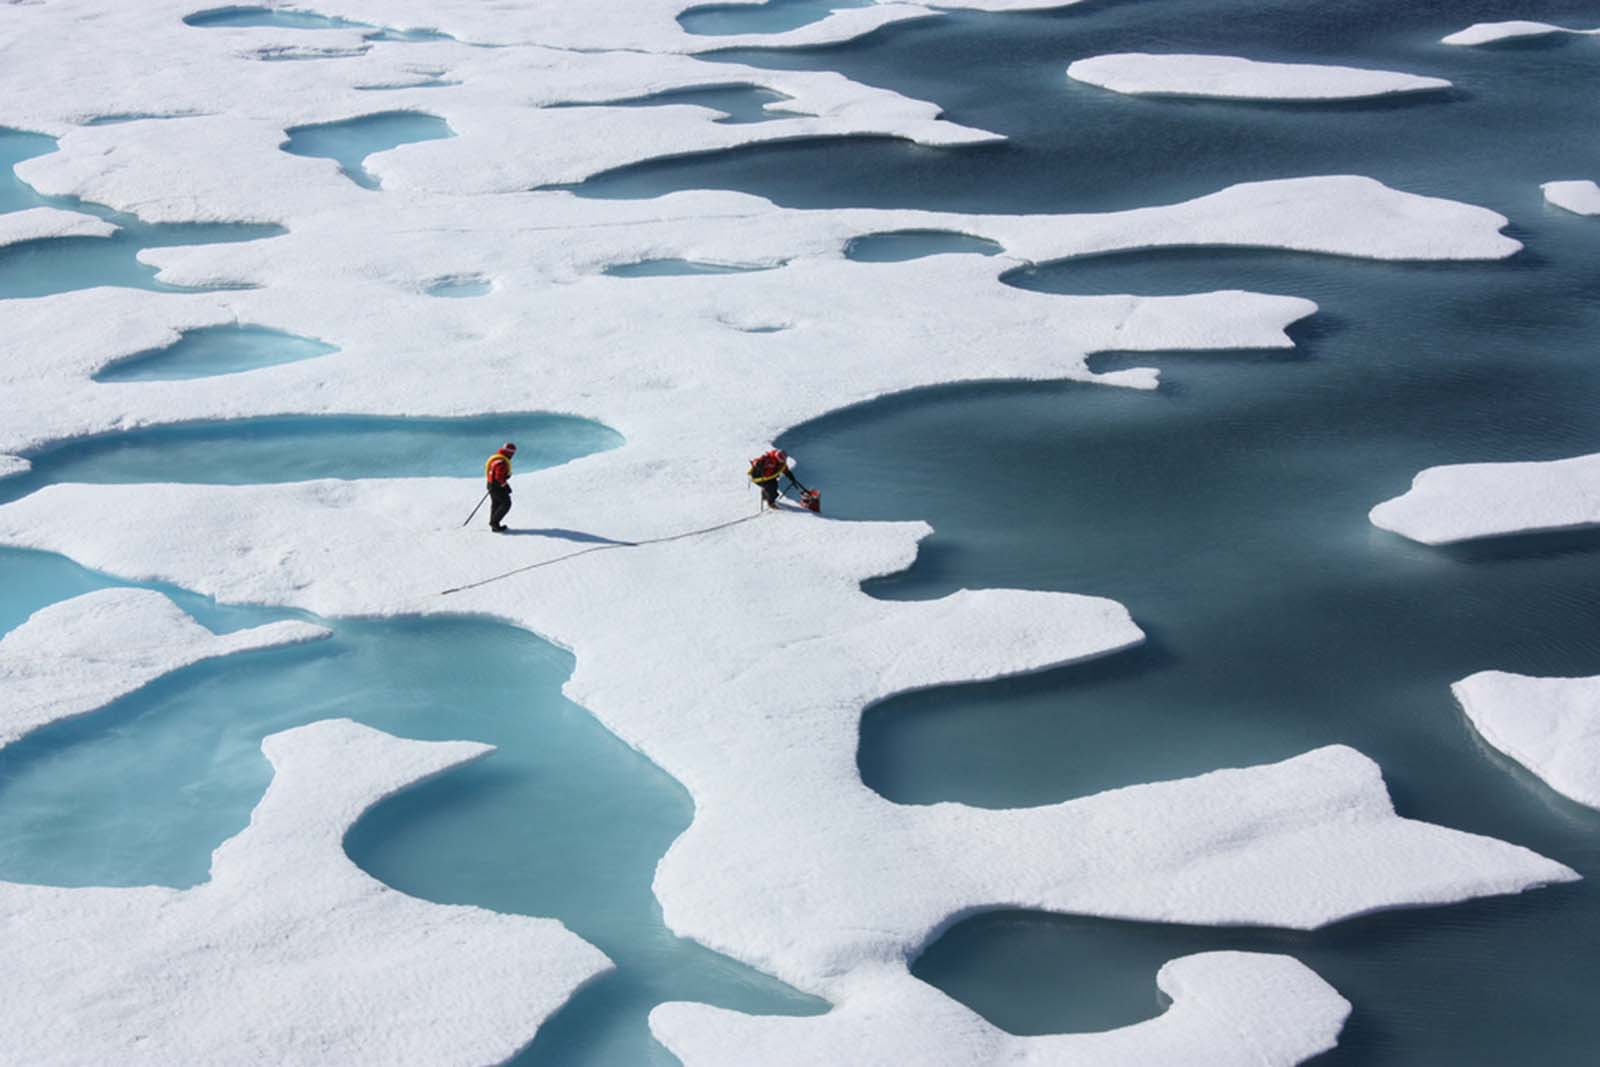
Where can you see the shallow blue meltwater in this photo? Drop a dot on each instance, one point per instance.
(562, 820)
(63, 264)
(351, 141)
(299, 448)
(773, 16)
(214, 350)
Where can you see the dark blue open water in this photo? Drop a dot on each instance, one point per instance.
(1227, 510)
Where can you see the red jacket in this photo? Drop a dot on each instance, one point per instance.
(498, 469)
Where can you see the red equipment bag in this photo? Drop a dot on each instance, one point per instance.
(811, 500)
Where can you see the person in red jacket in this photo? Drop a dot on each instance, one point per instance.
(767, 469)
(497, 471)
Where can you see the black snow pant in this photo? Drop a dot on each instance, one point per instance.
(500, 503)
(769, 492)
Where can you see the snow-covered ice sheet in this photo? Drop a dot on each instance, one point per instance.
(76, 656)
(1228, 1008)
(290, 953)
(1578, 197)
(1470, 500)
(1549, 725)
(12, 465)
(1480, 33)
(1236, 78)
(38, 223)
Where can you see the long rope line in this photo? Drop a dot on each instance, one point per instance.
(600, 548)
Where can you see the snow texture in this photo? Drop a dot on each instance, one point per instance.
(38, 223)
(1470, 500)
(77, 656)
(1228, 1008)
(1480, 33)
(13, 465)
(1235, 78)
(1549, 725)
(1578, 197)
(791, 863)
(290, 953)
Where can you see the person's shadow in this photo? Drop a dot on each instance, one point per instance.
(569, 535)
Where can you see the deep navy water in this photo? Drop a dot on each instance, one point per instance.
(1227, 510)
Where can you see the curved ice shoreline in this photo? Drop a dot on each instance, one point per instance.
(41, 223)
(1237, 78)
(74, 657)
(1227, 1008)
(1299, 843)
(289, 952)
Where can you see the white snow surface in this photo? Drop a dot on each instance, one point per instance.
(1228, 1008)
(13, 465)
(1236, 78)
(1578, 197)
(79, 655)
(290, 953)
(1549, 725)
(791, 864)
(1470, 500)
(1480, 33)
(38, 223)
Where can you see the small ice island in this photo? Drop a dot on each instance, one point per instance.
(1578, 197)
(1465, 501)
(1481, 33)
(1236, 78)
(1549, 725)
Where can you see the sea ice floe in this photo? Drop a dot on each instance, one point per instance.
(41, 223)
(289, 953)
(1515, 29)
(76, 656)
(1469, 500)
(1549, 725)
(12, 465)
(1579, 197)
(1236, 78)
(1228, 1009)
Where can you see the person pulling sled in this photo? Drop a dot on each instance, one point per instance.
(768, 469)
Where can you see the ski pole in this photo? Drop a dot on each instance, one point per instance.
(478, 505)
